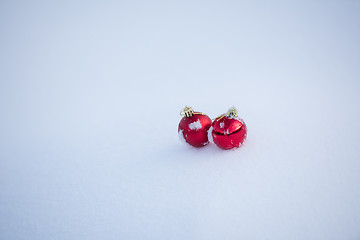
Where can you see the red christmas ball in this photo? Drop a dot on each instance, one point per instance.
(228, 130)
(193, 127)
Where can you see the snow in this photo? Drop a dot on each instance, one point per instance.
(181, 136)
(195, 125)
(89, 99)
(210, 137)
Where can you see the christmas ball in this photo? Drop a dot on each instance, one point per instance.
(228, 130)
(193, 127)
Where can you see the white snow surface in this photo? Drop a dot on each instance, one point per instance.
(89, 99)
(195, 125)
(181, 136)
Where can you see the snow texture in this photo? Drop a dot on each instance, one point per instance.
(195, 125)
(181, 136)
(89, 99)
(210, 137)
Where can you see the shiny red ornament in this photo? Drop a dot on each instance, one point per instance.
(193, 127)
(228, 130)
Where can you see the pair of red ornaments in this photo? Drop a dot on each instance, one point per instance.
(228, 131)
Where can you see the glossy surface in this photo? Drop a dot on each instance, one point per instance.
(229, 133)
(195, 129)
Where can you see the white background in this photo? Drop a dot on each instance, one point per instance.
(90, 94)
